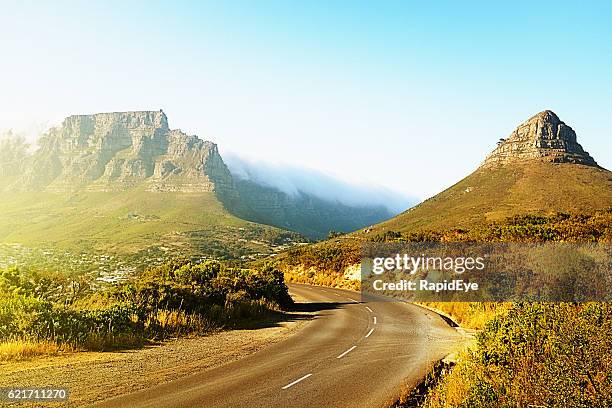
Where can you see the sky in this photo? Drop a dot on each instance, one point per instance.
(409, 96)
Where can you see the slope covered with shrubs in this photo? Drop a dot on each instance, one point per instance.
(325, 263)
(173, 299)
(527, 354)
(535, 355)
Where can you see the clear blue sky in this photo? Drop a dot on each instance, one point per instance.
(402, 94)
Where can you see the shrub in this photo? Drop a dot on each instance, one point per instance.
(173, 299)
(538, 354)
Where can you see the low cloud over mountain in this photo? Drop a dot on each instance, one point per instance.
(293, 180)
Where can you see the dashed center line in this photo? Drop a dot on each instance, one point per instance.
(296, 381)
(369, 310)
(370, 332)
(347, 351)
(374, 319)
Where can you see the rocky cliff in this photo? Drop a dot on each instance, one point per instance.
(543, 136)
(114, 151)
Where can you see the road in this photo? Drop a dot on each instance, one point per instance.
(351, 354)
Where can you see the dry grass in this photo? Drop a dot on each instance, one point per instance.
(18, 350)
(470, 315)
(180, 322)
(494, 194)
(329, 279)
(536, 354)
(455, 385)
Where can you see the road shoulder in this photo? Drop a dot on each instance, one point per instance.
(92, 377)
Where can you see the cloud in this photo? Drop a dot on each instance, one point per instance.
(295, 180)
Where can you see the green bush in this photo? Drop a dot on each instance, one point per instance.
(176, 298)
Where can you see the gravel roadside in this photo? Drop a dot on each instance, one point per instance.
(91, 376)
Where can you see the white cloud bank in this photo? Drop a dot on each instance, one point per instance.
(293, 180)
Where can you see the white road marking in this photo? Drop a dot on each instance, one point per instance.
(370, 332)
(323, 290)
(337, 294)
(296, 381)
(369, 310)
(347, 351)
(353, 300)
(374, 319)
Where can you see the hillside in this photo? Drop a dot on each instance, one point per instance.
(539, 169)
(129, 222)
(492, 194)
(538, 184)
(126, 183)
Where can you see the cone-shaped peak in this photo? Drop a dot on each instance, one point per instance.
(547, 116)
(542, 137)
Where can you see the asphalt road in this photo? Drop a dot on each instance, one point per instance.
(351, 354)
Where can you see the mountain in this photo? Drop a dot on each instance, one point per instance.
(126, 181)
(539, 168)
(117, 151)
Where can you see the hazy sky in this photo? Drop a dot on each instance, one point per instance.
(401, 94)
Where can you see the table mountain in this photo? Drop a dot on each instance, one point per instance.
(116, 151)
(136, 158)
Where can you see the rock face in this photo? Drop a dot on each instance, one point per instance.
(124, 150)
(545, 137)
(114, 151)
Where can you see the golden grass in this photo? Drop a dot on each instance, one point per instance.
(470, 315)
(180, 322)
(18, 350)
(494, 194)
(455, 387)
(331, 279)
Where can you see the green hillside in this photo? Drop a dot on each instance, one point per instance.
(130, 221)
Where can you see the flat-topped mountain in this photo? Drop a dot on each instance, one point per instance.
(114, 151)
(109, 178)
(544, 136)
(539, 168)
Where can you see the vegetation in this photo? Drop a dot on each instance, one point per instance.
(321, 264)
(527, 354)
(469, 315)
(46, 313)
(326, 263)
(333, 256)
(536, 355)
(558, 227)
(130, 223)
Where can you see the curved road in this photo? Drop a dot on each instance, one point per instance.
(351, 354)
